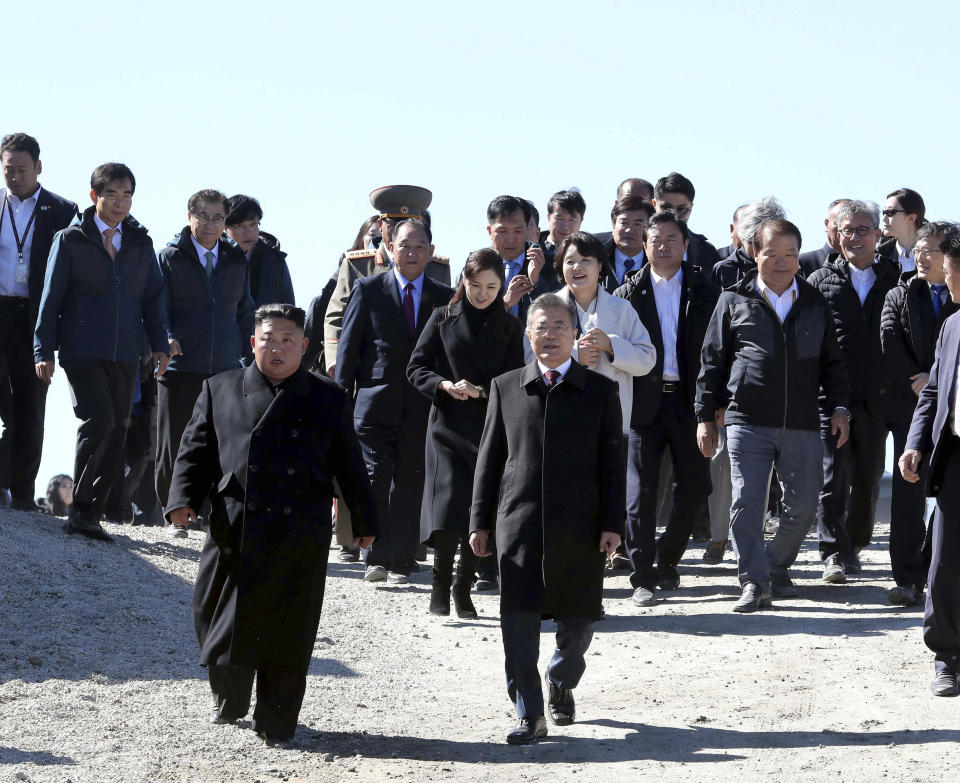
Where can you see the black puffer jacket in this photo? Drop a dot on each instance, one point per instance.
(269, 275)
(908, 337)
(768, 374)
(858, 326)
(732, 269)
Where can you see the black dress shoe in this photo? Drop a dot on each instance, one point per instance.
(669, 582)
(528, 730)
(752, 598)
(87, 525)
(560, 704)
(23, 504)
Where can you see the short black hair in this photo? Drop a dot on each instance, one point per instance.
(534, 212)
(950, 247)
(667, 217)
(207, 196)
(674, 183)
(587, 245)
(423, 225)
(502, 206)
(110, 172)
(20, 142)
(569, 201)
(270, 312)
(777, 228)
(939, 228)
(631, 204)
(241, 208)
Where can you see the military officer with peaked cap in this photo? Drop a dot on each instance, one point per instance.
(394, 203)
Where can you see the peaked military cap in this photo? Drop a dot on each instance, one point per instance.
(401, 201)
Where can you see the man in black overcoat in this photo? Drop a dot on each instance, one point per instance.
(266, 443)
(550, 487)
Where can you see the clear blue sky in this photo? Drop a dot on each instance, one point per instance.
(309, 107)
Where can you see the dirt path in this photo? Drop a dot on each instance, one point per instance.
(99, 682)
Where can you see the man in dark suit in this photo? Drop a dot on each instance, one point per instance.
(624, 250)
(735, 242)
(381, 326)
(934, 442)
(811, 261)
(913, 314)
(675, 192)
(265, 443)
(549, 487)
(632, 186)
(508, 219)
(674, 302)
(29, 217)
(565, 211)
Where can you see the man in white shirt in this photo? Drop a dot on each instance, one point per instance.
(30, 215)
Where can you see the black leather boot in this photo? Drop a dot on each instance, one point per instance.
(461, 594)
(440, 592)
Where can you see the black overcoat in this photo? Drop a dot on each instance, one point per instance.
(550, 479)
(268, 463)
(448, 351)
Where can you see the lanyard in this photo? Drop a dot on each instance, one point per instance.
(13, 224)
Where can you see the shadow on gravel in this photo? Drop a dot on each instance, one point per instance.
(689, 744)
(39, 757)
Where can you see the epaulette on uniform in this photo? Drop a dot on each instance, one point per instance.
(445, 260)
(359, 253)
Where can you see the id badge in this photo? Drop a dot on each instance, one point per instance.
(21, 273)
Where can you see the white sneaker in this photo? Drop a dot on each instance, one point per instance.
(375, 573)
(178, 532)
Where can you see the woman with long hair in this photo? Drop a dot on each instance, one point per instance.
(59, 497)
(366, 234)
(461, 349)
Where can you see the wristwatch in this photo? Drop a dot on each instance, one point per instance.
(845, 412)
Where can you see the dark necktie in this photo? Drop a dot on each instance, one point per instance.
(937, 299)
(408, 307)
(209, 267)
(552, 377)
(628, 266)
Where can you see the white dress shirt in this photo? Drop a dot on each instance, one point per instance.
(101, 227)
(956, 407)
(416, 292)
(782, 303)
(863, 280)
(562, 369)
(14, 273)
(905, 257)
(202, 252)
(666, 293)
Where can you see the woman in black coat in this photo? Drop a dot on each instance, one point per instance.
(462, 348)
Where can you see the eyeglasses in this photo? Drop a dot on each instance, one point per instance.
(215, 220)
(543, 331)
(860, 231)
(891, 212)
(246, 227)
(925, 253)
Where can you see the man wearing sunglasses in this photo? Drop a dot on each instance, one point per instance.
(211, 319)
(855, 282)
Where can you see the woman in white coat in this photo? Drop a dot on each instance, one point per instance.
(613, 341)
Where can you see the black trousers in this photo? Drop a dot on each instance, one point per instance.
(23, 398)
(907, 524)
(279, 697)
(394, 459)
(941, 618)
(102, 393)
(177, 393)
(675, 426)
(851, 483)
(445, 547)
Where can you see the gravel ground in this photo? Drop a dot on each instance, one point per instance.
(99, 680)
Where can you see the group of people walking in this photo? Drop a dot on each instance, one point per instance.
(542, 416)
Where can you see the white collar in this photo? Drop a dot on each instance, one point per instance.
(562, 369)
(658, 280)
(101, 226)
(202, 251)
(770, 293)
(17, 200)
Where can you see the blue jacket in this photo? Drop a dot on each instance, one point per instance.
(211, 318)
(92, 306)
(270, 281)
